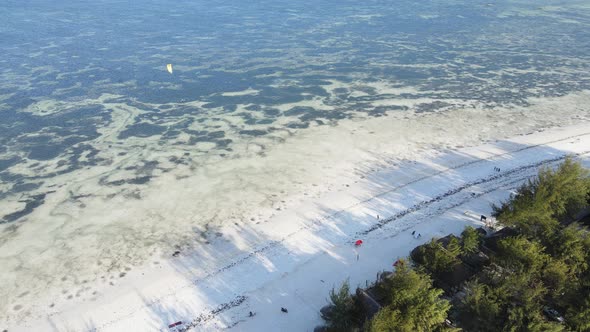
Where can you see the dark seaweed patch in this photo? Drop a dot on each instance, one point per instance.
(147, 167)
(216, 134)
(44, 152)
(169, 134)
(62, 131)
(271, 111)
(196, 132)
(298, 125)
(230, 108)
(140, 180)
(253, 107)
(23, 187)
(431, 107)
(196, 139)
(142, 130)
(223, 143)
(6, 163)
(184, 160)
(382, 110)
(254, 132)
(116, 183)
(298, 110)
(264, 121)
(30, 205)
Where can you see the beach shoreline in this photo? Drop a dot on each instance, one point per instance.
(89, 239)
(295, 259)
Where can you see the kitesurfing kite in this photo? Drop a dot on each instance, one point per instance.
(358, 242)
(169, 68)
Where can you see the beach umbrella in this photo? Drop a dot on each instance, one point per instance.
(358, 242)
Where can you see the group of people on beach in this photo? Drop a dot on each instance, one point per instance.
(283, 309)
(357, 244)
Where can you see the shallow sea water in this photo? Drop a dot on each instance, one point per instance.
(107, 159)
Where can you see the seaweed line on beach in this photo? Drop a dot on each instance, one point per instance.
(202, 318)
(454, 191)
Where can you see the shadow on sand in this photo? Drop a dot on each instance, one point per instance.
(222, 282)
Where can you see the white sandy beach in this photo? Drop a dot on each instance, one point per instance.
(302, 252)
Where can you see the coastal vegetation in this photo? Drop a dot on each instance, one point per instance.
(531, 274)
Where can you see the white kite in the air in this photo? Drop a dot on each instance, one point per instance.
(169, 68)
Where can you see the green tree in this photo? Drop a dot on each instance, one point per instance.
(556, 276)
(577, 303)
(471, 240)
(454, 247)
(578, 319)
(414, 304)
(571, 245)
(523, 296)
(343, 314)
(522, 319)
(389, 319)
(539, 204)
(521, 255)
(565, 189)
(435, 258)
(480, 309)
(527, 213)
